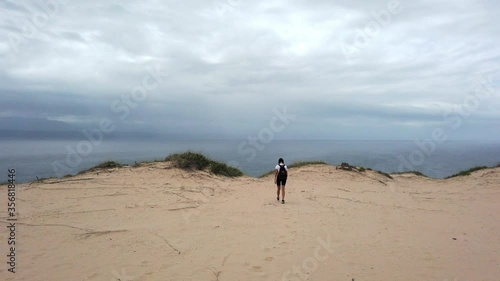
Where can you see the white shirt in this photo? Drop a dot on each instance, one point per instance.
(278, 168)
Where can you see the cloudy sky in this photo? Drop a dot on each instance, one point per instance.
(370, 69)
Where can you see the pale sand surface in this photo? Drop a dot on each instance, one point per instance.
(153, 223)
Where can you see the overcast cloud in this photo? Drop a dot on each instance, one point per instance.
(230, 63)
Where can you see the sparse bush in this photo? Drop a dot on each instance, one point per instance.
(189, 160)
(305, 163)
(224, 170)
(101, 166)
(196, 161)
(297, 164)
(107, 165)
(467, 172)
(411, 172)
(384, 174)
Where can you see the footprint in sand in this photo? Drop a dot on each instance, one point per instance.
(265, 248)
(257, 268)
(269, 259)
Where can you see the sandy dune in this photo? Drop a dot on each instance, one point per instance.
(158, 223)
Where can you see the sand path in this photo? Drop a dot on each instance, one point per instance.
(152, 223)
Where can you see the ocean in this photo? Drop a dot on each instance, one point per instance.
(51, 158)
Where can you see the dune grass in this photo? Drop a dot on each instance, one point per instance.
(222, 169)
(411, 172)
(305, 163)
(186, 161)
(384, 174)
(362, 169)
(101, 166)
(139, 164)
(297, 164)
(189, 160)
(197, 161)
(469, 171)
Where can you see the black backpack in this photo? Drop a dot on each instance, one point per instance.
(282, 174)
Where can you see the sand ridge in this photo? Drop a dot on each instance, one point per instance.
(155, 222)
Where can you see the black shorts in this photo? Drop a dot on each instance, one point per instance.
(281, 181)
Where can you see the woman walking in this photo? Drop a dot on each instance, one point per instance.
(280, 176)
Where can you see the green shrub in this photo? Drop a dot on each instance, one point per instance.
(224, 170)
(297, 164)
(196, 161)
(100, 166)
(467, 172)
(189, 160)
(384, 174)
(305, 163)
(107, 165)
(411, 172)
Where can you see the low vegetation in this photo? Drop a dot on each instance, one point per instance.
(362, 169)
(102, 166)
(189, 161)
(297, 164)
(384, 174)
(139, 164)
(305, 163)
(411, 172)
(468, 172)
(197, 161)
(224, 170)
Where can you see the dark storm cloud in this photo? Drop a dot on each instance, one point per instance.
(231, 63)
